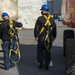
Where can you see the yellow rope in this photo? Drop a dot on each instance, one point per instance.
(16, 52)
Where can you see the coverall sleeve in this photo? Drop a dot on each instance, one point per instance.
(18, 24)
(36, 28)
(0, 27)
(54, 32)
(0, 31)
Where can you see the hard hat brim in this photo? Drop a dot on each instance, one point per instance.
(45, 9)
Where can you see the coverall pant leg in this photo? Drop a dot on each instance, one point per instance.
(47, 57)
(6, 54)
(48, 54)
(40, 54)
(40, 50)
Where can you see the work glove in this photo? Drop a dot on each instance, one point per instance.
(36, 38)
(53, 39)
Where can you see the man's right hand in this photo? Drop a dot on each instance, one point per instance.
(53, 39)
(36, 38)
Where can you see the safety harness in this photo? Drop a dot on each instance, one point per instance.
(46, 27)
(14, 54)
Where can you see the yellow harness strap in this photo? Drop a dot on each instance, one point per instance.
(11, 23)
(11, 26)
(47, 23)
(47, 35)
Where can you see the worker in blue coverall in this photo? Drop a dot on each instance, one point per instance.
(45, 34)
(4, 27)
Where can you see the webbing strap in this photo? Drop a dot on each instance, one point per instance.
(47, 40)
(11, 23)
(46, 23)
(47, 20)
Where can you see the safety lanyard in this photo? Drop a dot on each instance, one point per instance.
(17, 51)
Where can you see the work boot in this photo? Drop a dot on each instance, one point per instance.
(12, 65)
(41, 65)
(6, 68)
(51, 63)
(46, 67)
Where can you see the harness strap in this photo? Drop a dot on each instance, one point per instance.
(46, 23)
(10, 28)
(47, 40)
(11, 23)
(47, 20)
